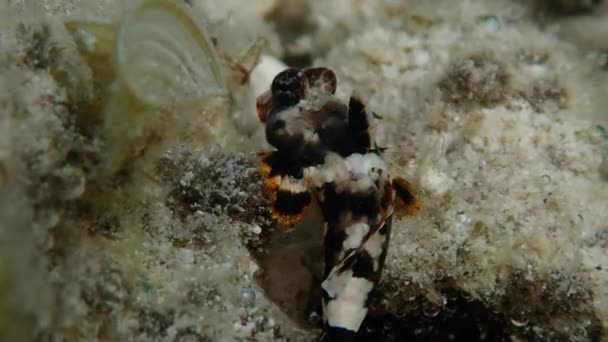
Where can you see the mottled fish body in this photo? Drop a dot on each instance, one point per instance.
(325, 152)
(357, 203)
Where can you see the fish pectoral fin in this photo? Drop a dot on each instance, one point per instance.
(288, 196)
(267, 159)
(408, 203)
(289, 207)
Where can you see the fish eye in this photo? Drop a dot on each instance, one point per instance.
(286, 98)
(323, 78)
(288, 87)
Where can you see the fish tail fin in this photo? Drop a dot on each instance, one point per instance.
(337, 334)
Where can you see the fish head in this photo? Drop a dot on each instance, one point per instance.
(301, 114)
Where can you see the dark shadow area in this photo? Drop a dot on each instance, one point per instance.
(291, 263)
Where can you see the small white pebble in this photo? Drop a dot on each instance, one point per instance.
(187, 178)
(203, 160)
(253, 268)
(436, 181)
(421, 57)
(259, 81)
(186, 256)
(244, 329)
(537, 69)
(256, 229)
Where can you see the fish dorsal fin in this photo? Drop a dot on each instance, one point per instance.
(359, 126)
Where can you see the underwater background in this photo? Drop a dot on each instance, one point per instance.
(131, 205)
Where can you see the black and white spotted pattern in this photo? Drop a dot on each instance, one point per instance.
(325, 150)
(356, 195)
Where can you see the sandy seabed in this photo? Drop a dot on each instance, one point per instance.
(122, 220)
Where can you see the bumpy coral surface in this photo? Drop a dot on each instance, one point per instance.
(492, 109)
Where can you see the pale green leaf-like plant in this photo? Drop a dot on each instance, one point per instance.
(156, 74)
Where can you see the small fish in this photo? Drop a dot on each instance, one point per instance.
(325, 153)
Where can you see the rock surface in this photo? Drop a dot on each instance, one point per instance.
(495, 114)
